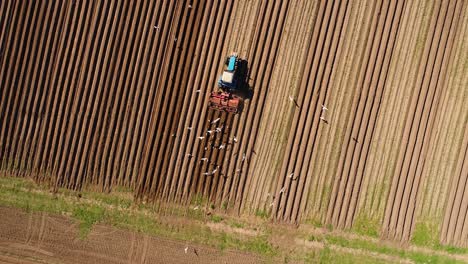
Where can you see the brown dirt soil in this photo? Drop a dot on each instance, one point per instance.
(42, 238)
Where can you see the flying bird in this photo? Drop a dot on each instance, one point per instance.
(235, 139)
(189, 128)
(282, 190)
(243, 156)
(216, 120)
(324, 108)
(209, 132)
(204, 159)
(186, 249)
(201, 138)
(222, 146)
(189, 6)
(195, 208)
(156, 27)
(219, 129)
(197, 91)
(189, 155)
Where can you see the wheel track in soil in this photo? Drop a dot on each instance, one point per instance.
(100, 93)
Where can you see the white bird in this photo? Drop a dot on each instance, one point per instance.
(156, 27)
(175, 39)
(189, 6)
(222, 146)
(201, 138)
(186, 249)
(195, 208)
(197, 91)
(204, 159)
(189, 128)
(235, 139)
(209, 132)
(189, 155)
(173, 135)
(243, 156)
(206, 173)
(215, 170)
(282, 190)
(322, 118)
(324, 108)
(219, 129)
(216, 120)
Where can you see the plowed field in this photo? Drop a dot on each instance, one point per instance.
(357, 115)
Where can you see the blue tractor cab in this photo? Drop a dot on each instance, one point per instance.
(228, 81)
(232, 63)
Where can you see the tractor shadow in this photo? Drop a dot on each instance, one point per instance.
(245, 91)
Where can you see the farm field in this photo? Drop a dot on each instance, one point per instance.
(356, 118)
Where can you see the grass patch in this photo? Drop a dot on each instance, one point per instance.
(417, 257)
(451, 249)
(216, 218)
(262, 214)
(315, 238)
(110, 199)
(425, 234)
(88, 215)
(236, 224)
(366, 226)
(327, 255)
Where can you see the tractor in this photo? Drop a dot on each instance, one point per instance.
(230, 84)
